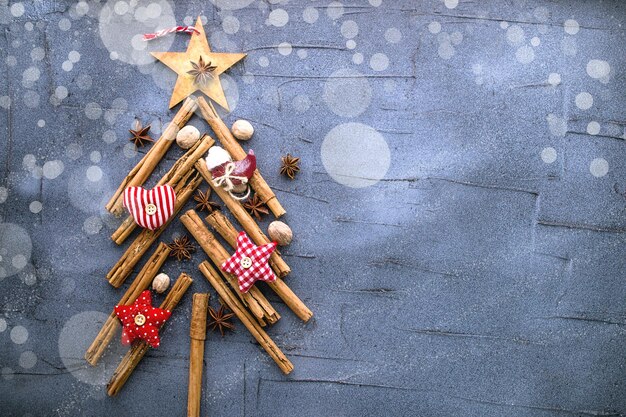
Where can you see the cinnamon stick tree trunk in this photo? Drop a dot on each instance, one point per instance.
(197, 333)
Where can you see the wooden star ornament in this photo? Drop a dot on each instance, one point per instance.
(198, 68)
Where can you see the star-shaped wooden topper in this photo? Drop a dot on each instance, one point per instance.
(198, 68)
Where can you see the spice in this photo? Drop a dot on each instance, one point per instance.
(182, 248)
(202, 72)
(255, 207)
(140, 134)
(204, 203)
(290, 166)
(161, 283)
(280, 233)
(220, 320)
(187, 136)
(242, 130)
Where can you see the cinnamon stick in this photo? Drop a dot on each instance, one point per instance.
(141, 283)
(253, 327)
(197, 333)
(246, 221)
(138, 350)
(172, 178)
(140, 173)
(228, 141)
(120, 271)
(253, 299)
(226, 229)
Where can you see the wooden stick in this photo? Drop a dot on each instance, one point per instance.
(226, 229)
(228, 141)
(140, 173)
(253, 327)
(197, 333)
(245, 220)
(253, 299)
(172, 177)
(138, 350)
(141, 283)
(120, 271)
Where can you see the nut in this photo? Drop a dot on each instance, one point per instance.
(160, 283)
(280, 233)
(242, 130)
(187, 136)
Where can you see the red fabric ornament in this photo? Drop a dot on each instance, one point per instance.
(150, 208)
(141, 320)
(250, 262)
(239, 172)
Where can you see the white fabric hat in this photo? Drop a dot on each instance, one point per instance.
(216, 157)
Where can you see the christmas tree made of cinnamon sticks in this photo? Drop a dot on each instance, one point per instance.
(185, 176)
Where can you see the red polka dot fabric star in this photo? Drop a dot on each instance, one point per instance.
(250, 263)
(141, 320)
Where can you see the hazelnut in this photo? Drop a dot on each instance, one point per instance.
(280, 233)
(242, 130)
(160, 283)
(187, 136)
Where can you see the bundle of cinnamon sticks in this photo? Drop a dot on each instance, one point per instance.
(252, 308)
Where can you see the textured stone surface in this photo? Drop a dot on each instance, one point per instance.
(467, 258)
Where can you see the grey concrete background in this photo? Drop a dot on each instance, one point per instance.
(480, 274)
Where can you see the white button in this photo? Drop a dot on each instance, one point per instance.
(246, 262)
(140, 319)
(151, 209)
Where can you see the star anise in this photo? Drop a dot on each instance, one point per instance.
(255, 207)
(220, 320)
(290, 166)
(202, 72)
(140, 134)
(182, 248)
(204, 203)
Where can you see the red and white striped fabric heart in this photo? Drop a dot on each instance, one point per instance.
(150, 208)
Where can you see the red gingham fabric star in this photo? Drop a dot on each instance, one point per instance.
(249, 262)
(141, 320)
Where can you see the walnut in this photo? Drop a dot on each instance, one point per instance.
(161, 283)
(242, 130)
(280, 233)
(187, 136)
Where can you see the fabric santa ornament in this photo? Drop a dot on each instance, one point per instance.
(233, 176)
